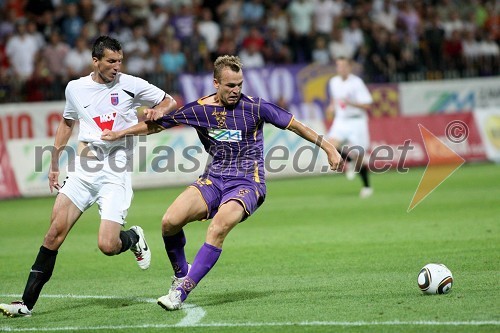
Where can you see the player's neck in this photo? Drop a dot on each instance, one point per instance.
(98, 78)
(212, 100)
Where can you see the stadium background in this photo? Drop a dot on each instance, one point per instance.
(426, 62)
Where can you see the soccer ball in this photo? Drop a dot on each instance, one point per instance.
(435, 279)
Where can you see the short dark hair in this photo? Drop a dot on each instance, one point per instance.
(349, 60)
(102, 43)
(233, 62)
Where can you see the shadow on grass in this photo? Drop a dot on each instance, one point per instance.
(79, 304)
(229, 297)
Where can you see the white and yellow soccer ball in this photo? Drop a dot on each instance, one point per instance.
(435, 279)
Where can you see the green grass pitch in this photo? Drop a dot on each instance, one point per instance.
(313, 258)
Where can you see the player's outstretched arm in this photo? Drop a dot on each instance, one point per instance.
(166, 106)
(142, 128)
(63, 134)
(334, 158)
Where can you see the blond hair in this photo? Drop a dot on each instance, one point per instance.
(233, 62)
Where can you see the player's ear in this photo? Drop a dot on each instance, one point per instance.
(216, 83)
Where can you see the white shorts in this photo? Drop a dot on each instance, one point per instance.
(90, 181)
(351, 131)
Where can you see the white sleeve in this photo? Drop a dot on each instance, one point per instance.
(331, 88)
(148, 94)
(70, 111)
(363, 95)
(8, 48)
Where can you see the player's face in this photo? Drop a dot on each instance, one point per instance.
(343, 67)
(106, 68)
(229, 87)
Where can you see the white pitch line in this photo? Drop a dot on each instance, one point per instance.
(195, 313)
(276, 324)
(138, 299)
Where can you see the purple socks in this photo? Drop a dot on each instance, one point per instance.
(205, 259)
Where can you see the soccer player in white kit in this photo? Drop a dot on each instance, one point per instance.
(105, 99)
(349, 103)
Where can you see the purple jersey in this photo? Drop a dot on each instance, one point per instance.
(232, 136)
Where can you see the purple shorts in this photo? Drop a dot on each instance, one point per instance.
(217, 190)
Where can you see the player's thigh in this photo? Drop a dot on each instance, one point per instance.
(230, 213)
(338, 133)
(187, 207)
(241, 199)
(114, 201)
(80, 187)
(359, 138)
(227, 217)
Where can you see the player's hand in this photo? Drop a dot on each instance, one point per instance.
(335, 160)
(108, 135)
(330, 112)
(349, 102)
(152, 114)
(54, 181)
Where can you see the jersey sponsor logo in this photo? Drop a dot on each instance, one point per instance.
(105, 121)
(114, 99)
(225, 135)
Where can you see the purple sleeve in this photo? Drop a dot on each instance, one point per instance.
(271, 113)
(167, 121)
(185, 115)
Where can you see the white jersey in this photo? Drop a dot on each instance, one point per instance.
(353, 89)
(108, 106)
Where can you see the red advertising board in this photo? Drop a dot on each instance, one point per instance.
(30, 120)
(398, 142)
(8, 185)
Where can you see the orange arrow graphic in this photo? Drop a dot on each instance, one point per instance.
(443, 161)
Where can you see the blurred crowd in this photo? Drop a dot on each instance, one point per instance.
(46, 43)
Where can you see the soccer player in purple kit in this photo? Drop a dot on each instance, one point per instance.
(229, 124)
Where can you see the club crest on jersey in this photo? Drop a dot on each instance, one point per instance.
(242, 193)
(114, 99)
(225, 134)
(105, 121)
(220, 117)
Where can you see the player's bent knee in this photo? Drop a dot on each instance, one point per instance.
(172, 220)
(109, 248)
(218, 230)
